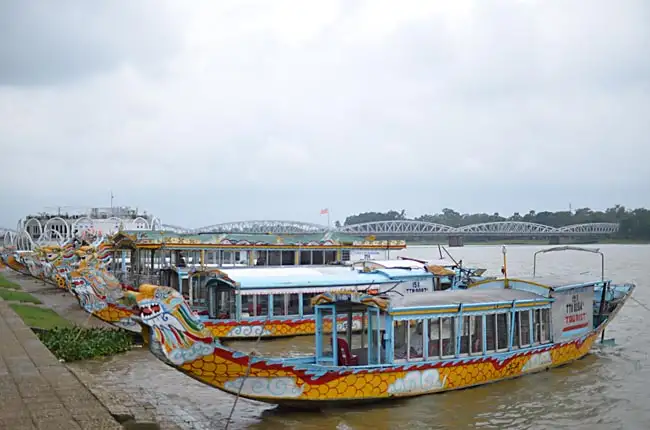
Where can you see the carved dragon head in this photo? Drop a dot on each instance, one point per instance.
(176, 331)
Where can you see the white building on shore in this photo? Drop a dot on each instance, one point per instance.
(53, 227)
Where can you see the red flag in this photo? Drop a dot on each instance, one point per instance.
(324, 211)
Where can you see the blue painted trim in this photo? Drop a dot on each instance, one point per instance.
(577, 286)
(484, 325)
(466, 313)
(531, 327)
(453, 306)
(459, 329)
(300, 305)
(511, 335)
(425, 339)
(390, 339)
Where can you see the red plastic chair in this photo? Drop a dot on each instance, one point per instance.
(344, 355)
(258, 308)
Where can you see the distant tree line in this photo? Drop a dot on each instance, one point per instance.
(634, 223)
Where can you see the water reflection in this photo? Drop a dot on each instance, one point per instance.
(607, 389)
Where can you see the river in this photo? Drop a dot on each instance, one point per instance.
(606, 390)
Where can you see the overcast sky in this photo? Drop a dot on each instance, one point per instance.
(204, 112)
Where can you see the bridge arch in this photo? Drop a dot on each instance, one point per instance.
(396, 227)
(591, 228)
(264, 226)
(507, 227)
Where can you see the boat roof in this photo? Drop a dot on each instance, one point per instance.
(391, 264)
(469, 296)
(306, 277)
(560, 281)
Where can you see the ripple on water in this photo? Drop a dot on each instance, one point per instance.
(606, 390)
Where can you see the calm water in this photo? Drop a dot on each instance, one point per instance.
(608, 389)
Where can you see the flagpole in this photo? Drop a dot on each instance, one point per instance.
(328, 218)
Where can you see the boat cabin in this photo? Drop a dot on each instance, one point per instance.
(275, 292)
(499, 317)
(446, 274)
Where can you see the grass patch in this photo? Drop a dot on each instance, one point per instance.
(6, 283)
(75, 343)
(39, 317)
(18, 296)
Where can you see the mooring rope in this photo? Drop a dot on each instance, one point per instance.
(251, 355)
(643, 305)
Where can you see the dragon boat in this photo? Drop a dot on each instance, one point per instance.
(411, 345)
(80, 267)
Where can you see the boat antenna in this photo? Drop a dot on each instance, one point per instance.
(450, 256)
(504, 269)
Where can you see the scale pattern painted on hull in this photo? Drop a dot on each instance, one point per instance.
(273, 328)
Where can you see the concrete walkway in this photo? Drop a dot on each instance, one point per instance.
(38, 392)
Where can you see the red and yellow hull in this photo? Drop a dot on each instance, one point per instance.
(308, 385)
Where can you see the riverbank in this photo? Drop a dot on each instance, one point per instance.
(53, 317)
(37, 391)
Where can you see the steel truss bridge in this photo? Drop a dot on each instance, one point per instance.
(416, 228)
(395, 229)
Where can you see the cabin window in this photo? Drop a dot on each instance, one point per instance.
(293, 304)
(247, 306)
(330, 257)
(317, 257)
(541, 331)
(503, 332)
(490, 332)
(448, 331)
(524, 328)
(465, 336)
(401, 339)
(305, 258)
(416, 349)
(262, 305)
(434, 338)
(516, 334)
(222, 303)
(285, 304)
(544, 326)
(476, 334)
(279, 304)
(307, 308)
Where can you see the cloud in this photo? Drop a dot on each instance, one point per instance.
(54, 43)
(216, 112)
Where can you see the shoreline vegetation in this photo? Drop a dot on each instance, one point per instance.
(634, 224)
(66, 340)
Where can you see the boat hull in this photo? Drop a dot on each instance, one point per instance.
(313, 387)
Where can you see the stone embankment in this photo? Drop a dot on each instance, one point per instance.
(37, 391)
